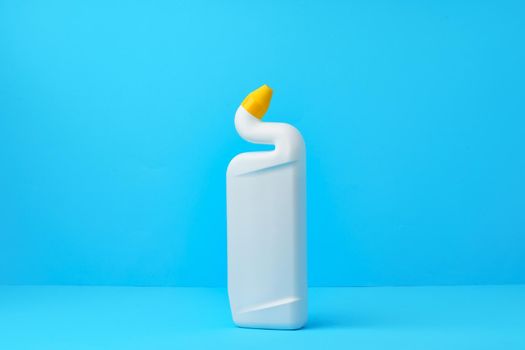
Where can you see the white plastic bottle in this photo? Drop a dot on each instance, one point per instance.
(266, 214)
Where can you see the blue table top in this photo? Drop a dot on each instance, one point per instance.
(61, 317)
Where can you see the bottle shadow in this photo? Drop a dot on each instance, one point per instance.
(333, 321)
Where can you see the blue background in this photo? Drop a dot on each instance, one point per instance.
(116, 127)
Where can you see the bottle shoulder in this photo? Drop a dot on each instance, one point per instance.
(250, 162)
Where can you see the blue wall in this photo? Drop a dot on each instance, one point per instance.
(116, 127)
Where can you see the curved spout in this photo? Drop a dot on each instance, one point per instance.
(288, 142)
(287, 139)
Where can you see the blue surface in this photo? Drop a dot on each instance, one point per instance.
(482, 317)
(116, 127)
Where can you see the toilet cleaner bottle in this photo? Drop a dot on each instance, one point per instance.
(266, 222)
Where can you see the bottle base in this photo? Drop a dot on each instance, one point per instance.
(284, 314)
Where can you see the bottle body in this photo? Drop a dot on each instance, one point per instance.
(266, 218)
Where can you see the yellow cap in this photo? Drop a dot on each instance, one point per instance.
(258, 101)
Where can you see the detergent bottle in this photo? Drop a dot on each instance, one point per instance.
(266, 222)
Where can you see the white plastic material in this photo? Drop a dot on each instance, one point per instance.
(266, 205)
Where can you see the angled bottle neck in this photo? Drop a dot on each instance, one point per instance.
(287, 140)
